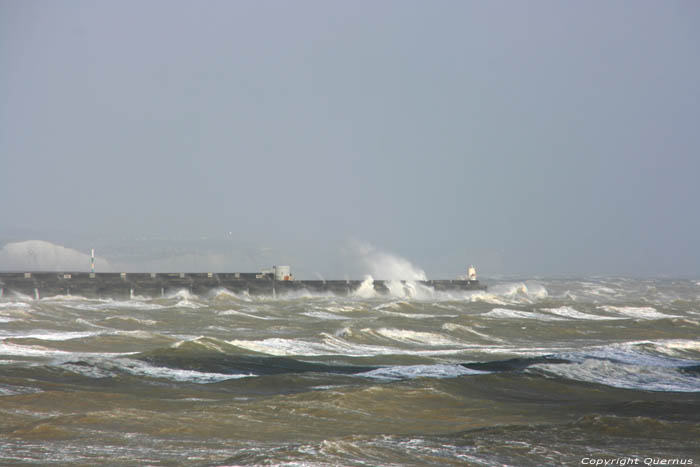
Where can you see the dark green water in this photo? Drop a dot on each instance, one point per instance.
(543, 372)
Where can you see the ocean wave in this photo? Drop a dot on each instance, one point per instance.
(14, 390)
(646, 312)
(13, 305)
(336, 345)
(110, 304)
(623, 375)
(240, 313)
(569, 312)
(110, 368)
(407, 336)
(140, 368)
(394, 373)
(466, 329)
(52, 335)
(505, 313)
(291, 347)
(641, 365)
(323, 315)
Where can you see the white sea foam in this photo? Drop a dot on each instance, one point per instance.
(18, 350)
(182, 294)
(206, 342)
(458, 327)
(653, 352)
(142, 369)
(679, 344)
(630, 376)
(225, 294)
(186, 299)
(110, 368)
(407, 336)
(415, 315)
(518, 292)
(303, 294)
(240, 313)
(145, 322)
(411, 289)
(91, 371)
(505, 313)
(597, 290)
(13, 305)
(419, 371)
(330, 345)
(108, 304)
(646, 353)
(366, 288)
(338, 309)
(53, 335)
(288, 347)
(322, 315)
(569, 312)
(11, 390)
(646, 312)
(187, 304)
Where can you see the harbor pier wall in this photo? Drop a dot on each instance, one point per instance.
(155, 285)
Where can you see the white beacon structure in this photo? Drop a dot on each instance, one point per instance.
(283, 273)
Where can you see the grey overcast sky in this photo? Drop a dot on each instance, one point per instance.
(538, 137)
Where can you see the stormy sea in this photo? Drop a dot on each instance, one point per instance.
(596, 371)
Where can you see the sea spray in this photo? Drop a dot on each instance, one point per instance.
(387, 266)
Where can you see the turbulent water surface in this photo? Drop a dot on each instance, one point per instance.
(526, 373)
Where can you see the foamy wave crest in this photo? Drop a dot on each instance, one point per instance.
(139, 368)
(13, 305)
(521, 292)
(569, 312)
(109, 368)
(366, 289)
(323, 315)
(624, 375)
(505, 313)
(419, 371)
(330, 345)
(645, 312)
(406, 336)
(241, 313)
(223, 293)
(17, 350)
(186, 299)
(678, 348)
(12, 390)
(107, 304)
(648, 353)
(55, 335)
(414, 315)
(452, 327)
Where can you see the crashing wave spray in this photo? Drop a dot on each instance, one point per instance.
(387, 266)
(393, 270)
(366, 289)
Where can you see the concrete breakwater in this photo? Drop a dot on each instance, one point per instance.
(154, 285)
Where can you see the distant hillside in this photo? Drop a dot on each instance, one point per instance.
(38, 255)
